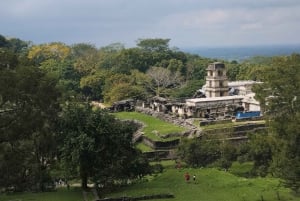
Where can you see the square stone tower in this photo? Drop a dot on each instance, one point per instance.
(216, 80)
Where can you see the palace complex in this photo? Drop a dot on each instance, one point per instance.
(219, 98)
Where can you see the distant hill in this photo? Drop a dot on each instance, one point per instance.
(242, 53)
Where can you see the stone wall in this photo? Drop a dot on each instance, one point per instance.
(165, 145)
(145, 197)
(160, 154)
(213, 122)
(237, 130)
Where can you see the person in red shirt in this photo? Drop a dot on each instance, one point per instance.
(187, 177)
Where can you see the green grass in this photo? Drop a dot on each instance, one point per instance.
(241, 169)
(143, 147)
(152, 124)
(61, 194)
(228, 125)
(164, 163)
(211, 185)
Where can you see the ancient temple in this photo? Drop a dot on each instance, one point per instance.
(220, 98)
(216, 81)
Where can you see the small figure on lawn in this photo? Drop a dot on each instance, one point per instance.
(194, 178)
(187, 177)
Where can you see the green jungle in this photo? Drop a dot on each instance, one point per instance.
(56, 145)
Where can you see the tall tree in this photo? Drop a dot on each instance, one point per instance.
(200, 152)
(97, 146)
(56, 51)
(279, 96)
(157, 44)
(92, 85)
(68, 78)
(119, 86)
(8, 59)
(261, 152)
(3, 42)
(28, 110)
(161, 79)
(19, 46)
(86, 58)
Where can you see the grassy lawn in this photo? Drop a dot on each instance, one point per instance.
(143, 147)
(152, 124)
(210, 185)
(61, 194)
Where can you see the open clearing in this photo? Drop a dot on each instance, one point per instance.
(211, 185)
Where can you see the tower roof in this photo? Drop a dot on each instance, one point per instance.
(215, 66)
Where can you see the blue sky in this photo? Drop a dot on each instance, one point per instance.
(188, 23)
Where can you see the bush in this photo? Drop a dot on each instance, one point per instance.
(242, 169)
(157, 168)
(261, 152)
(199, 153)
(222, 163)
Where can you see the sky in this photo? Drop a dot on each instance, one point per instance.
(188, 23)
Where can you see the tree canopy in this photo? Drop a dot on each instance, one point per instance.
(28, 113)
(279, 95)
(96, 146)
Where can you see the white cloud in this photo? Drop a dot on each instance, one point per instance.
(25, 8)
(185, 22)
(235, 26)
(251, 26)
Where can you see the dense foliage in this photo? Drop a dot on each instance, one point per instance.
(46, 123)
(280, 97)
(94, 145)
(207, 151)
(114, 73)
(28, 113)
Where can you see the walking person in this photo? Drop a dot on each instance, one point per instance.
(187, 177)
(194, 178)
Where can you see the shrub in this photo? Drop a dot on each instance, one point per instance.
(198, 153)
